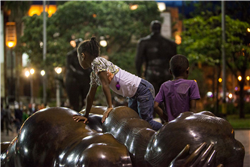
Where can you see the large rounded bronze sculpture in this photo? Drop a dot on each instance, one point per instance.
(51, 137)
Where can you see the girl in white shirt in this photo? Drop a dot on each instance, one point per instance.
(139, 91)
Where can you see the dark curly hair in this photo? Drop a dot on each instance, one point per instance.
(90, 47)
(178, 65)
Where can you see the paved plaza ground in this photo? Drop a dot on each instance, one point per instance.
(241, 135)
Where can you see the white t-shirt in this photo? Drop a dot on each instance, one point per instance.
(128, 82)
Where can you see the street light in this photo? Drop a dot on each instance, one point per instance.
(27, 74)
(10, 40)
(248, 78)
(58, 70)
(239, 78)
(220, 79)
(42, 72)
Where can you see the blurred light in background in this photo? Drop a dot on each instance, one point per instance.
(32, 71)
(230, 95)
(209, 94)
(58, 70)
(220, 79)
(27, 73)
(133, 7)
(239, 78)
(38, 9)
(103, 43)
(161, 6)
(41, 44)
(178, 39)
(42, 72)
(248, 78)
(10, 44)
(10, 34)
(73, 43)
(248, 29)
(25, 59)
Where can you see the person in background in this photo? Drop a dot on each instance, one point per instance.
(8, 120)
(3, 117)
(180, 94)
(18, 117)
(25, 113)
(33, 108)
(139, 91)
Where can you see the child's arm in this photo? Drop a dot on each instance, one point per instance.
(105, 87)
(193, 106)
(159, 111)
(90, 99)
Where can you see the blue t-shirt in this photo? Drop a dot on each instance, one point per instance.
(176, 96)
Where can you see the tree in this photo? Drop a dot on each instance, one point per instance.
(114, 21)
(202, 42)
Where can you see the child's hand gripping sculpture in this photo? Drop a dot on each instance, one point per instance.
(78, 118)
(106, 113)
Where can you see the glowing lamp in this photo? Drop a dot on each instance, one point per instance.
(11, 34)
(103, 43)
(42, 72)
(58, 70)
(239, 78)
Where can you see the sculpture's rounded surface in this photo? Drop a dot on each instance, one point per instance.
(51, 137)
(194, 129)
(117, 115)
(95, 122)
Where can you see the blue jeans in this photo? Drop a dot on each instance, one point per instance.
(143, 103)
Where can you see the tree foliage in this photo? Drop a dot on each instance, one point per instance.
(202, 41)
(115, 21)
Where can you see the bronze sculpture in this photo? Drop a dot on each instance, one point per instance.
(77, 80)
(51, 137)
(155, 51)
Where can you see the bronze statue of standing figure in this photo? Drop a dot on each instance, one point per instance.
(77, 80)
(156, 51)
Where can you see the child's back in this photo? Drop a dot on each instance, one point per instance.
(177, 95)
(180, 94)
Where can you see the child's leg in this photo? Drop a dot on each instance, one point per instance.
(132, 103)
(145, 103)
